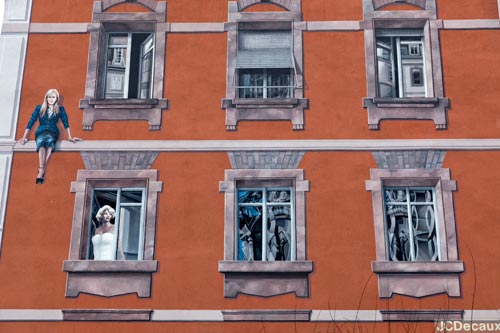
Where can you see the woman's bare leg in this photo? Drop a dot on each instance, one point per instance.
(42, 157)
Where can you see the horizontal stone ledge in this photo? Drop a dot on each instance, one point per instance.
(161, 315)
(220, 27)
(262, 145)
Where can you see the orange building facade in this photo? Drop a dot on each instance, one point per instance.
(271, 166)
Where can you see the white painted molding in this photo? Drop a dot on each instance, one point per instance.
(270, 145)
(30, 315)
(16, 26)
(40, 315)
(333, 25)
(471, 24)
(196, 27)
(12, 56)
(5, 166)
(17, 10)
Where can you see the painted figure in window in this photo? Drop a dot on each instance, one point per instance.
(103, 241)
(48, 115)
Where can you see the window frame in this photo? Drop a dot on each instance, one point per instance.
(95, 107)
(259, 278)
(111, 277)
(238, 109)
(417, 278)
(434, 105)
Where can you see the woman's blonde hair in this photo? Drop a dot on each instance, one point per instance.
(44, 108)
(101, 211)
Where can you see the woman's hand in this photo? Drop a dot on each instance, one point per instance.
(74, 139)
(23, 141)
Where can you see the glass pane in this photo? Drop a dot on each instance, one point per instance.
(101, 231)
(278, 195)
(131, 197)
(424, 233)
(115, 72)
(279, 233)
(251, 83)
(398, 234)
(249, 196)
(385, 77)
(146, 74)
(279, 78)
(421, 196)
(129, 236)
(250, 233)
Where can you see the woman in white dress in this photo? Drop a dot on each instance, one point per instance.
(103, 240)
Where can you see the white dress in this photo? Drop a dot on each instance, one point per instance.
(104, 245)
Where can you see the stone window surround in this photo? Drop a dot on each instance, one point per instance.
(259, 277)
(417, 279)
(433, 106)
(114, 277)
(94, 106)
(265, 109)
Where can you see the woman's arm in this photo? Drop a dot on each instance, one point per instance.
(70, 138)
(64, 119)
(25, 139)
(30, 124)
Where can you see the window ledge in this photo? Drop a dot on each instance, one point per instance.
(388, 267)
(418, 279)
(109, 278)
(426, 102)
(265, 266)
(110, 266)
(266, 279)
(265, 109)
(123, 109)
(432, 108)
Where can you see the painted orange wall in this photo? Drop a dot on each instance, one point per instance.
(190, 235)
(190, 229)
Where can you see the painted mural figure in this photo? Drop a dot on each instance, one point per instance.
(103, 241)
(48, 115)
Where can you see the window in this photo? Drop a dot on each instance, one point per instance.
(265, 223)
(265, 64)
(265, 252)
(115, 258)
(416, 245)
(400, 62)
(129, 78)
(127, 232)
(403, 63)
(125, 74)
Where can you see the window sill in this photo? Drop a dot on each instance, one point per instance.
(406, 108)
(123, 109)
(265, 109)
(418, 279)
(109, 277)
(266, 279)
